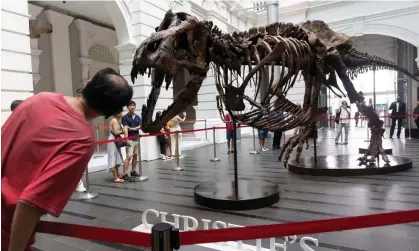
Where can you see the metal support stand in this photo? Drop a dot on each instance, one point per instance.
(254, 143)
(410, 127)
(87, 195)
(206, 132)
(164, 237)
(97, 146)
(368, 134)
(236, 179)
(215, 159)
(177, 153)
(315, 149)
(140, 168)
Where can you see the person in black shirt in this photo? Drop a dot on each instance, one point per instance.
(132, 124)
(398, 113)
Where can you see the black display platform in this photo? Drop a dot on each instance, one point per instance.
(386, 150)
(252, 194)
(347, 165)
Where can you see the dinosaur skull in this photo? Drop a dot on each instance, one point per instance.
(180, 42)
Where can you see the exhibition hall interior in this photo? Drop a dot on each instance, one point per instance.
(229, 125)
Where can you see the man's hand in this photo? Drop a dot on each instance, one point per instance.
(25, 219)
(135, 128)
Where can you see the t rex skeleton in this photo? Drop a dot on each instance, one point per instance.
(311, 49)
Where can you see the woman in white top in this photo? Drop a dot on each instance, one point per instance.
(115, 159)
(174, 125)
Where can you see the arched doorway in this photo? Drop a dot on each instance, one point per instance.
(87, 36)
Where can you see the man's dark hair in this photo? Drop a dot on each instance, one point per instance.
(107, 93)
(131, 103)
(14, 104)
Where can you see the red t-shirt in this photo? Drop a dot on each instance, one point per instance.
(229, 122)
(45, 148)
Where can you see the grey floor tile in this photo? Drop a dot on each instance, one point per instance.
(302, 198)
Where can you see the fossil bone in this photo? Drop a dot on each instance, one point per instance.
(310, 49)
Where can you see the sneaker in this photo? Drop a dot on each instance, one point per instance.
(163, 157)
(80, 187)
(127, 178)
(134, 174)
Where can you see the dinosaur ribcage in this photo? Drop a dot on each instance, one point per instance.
(291, 56)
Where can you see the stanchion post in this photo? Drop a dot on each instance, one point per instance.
(254, 143)
(410, 126)
(140, 167)
(206, 133)
(87, 195)
(315, 148)
(164, 237)
(177, 153)
(215, 159)
(97, 146)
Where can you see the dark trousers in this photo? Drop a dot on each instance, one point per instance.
(277, 139)
(162, 143)
(393, 125)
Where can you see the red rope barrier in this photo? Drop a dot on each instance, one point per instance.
(95, 233)
(298, 228)
(159, 134)
(232, 234)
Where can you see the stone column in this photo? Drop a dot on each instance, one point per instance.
(85, 66)
(35, 51)
(85, 43)
(60, 47)
(207, 106)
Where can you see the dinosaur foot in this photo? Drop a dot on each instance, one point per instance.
(375, 148)
(295, 140)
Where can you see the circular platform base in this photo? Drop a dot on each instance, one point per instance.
(252, 194)
(347, 165)
(387, 150)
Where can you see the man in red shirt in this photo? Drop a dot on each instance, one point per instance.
(46, 146)
(229, 132)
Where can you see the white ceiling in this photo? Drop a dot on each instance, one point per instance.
(91, 9)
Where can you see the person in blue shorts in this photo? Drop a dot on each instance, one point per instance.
(263, 134)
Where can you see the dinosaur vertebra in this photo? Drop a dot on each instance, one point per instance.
(311, 49)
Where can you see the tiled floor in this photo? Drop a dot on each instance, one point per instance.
(302, 198)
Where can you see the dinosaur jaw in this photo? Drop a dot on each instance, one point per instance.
(180, 103)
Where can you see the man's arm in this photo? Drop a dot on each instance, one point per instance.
(137, 128)
(25, 219)
(391, 106)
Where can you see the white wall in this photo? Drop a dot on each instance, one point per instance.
(16, 72)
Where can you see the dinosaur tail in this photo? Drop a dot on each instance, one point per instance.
(359, 62)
